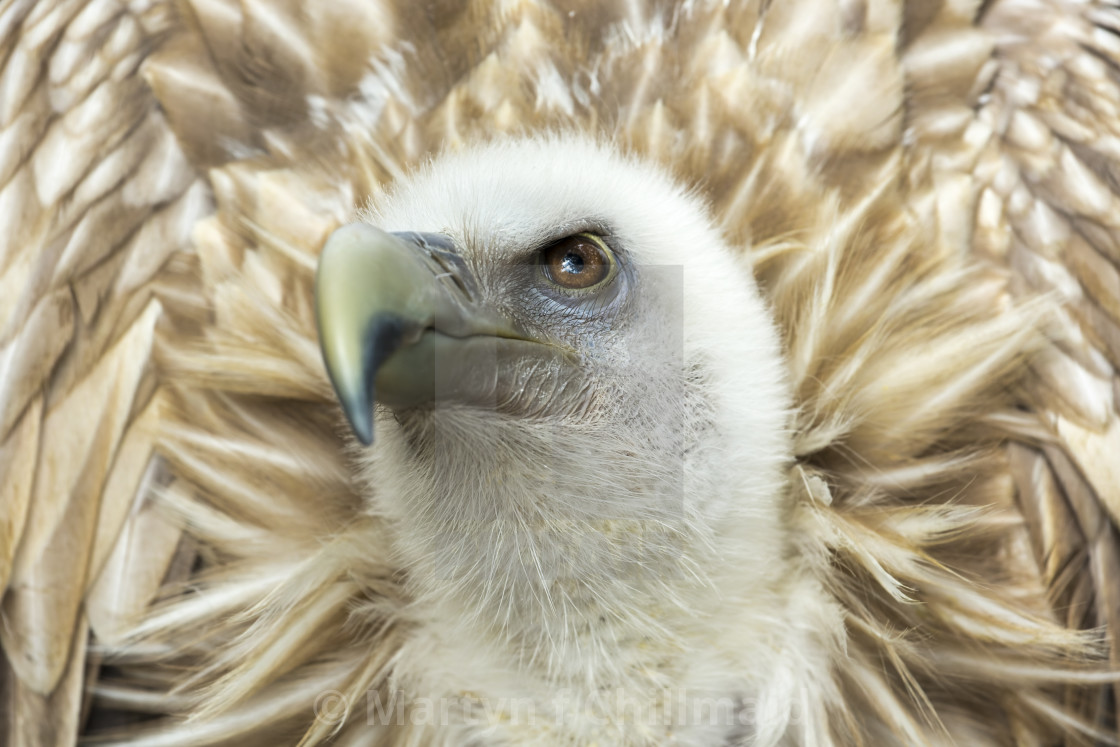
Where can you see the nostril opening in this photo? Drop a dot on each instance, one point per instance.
(440, 249)
(455, 273)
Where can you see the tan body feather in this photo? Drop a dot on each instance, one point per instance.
(928, 194)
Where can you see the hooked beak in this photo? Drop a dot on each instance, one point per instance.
(399, 320)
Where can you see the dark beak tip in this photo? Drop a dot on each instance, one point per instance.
(365, 435)
(361, 423)
(358, 409)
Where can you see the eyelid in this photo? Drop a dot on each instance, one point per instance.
(596, 239)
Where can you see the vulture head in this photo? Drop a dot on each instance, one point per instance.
(581, 423)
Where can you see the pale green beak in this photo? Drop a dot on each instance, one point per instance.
(387, 306)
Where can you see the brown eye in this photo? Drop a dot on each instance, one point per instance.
(577, 262)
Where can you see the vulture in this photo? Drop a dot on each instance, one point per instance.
(559, 372)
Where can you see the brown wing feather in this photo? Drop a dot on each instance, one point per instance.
(1032, 134)
(94, 195)
(1049, 174)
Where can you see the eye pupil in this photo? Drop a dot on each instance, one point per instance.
(577, 263)
(572, 263)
